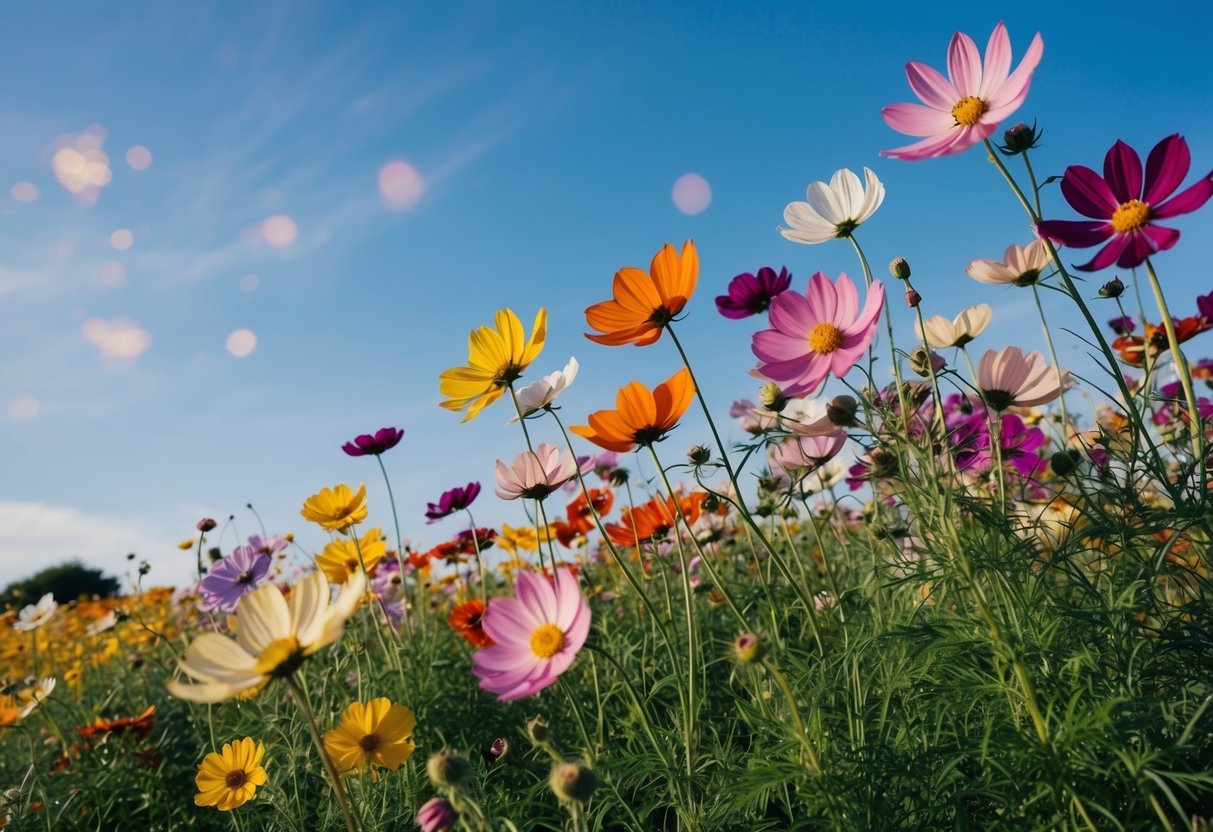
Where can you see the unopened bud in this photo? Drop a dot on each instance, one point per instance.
(206, 524)
(913, 298)
(1064, 462)
(698, 455)
(446, 769)
(841, 411)
(1019, 138)
(537, 730)
(1114, 288)
(920, 365)
(618, 477)
(748, 648)
(772, 398)
(573, 782)
(499, 748)
(900, 268)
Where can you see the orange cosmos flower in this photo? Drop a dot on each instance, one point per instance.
(1132, 348)
(467, 620)
(644, 303)
(641, 417)
(653, 520)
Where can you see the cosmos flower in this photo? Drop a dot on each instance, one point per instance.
(939, 332)
(644, 303)
(229, 778)
(451, 501)
(537, 633)
(13, 709)
(641, 416)
(467, 619)
(652, 522)
(835, 210)
(436, 815)
(1008, 378)
(535, 474)
(541, 393)
(814, 334)
(339, 561)
(381, 441)
(1020, 265)
(273, 637)
(497, 357)
(1123, 205)
(34, 616)
(371, 736)
(798, 455)
(751, 294)
(336, 508)
(1123, 325)
(232, 578)
(140, 725)
(967, 106)
(1132, 348)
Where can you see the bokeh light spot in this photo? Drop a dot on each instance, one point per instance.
(117, 338)
(113, 275)
(691, 194)
(249, 283)
(139, 157)
(122, 239)
(401, 186)
(25, 192)
(79, 163)
(280, 231)
(242, 342)
(24, 408)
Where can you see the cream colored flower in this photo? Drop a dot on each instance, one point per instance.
(939, 332)
(540, 393)
(35, 615)
(1020, 266)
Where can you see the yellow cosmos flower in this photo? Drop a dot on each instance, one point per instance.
(336, 508)
(524, 538)
(339, 560)
(273, 637)
(371, 736)
(497, 356)
(230, 778)
(186, 545)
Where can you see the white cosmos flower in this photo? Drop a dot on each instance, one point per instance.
(1020, 265)
(806, 417)
(35, 615)
(542, 392)
(273, 636)
(42, 689)
(1008, 378)
(825, 477)
(939, 332)
(833, 210)
(102, 624)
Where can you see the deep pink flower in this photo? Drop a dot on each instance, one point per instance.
(966, 107)
(820, 332)
(436, 815)
(751, 294)
(1123, 205)
(537, 633)
(451, 501)
(365, 444)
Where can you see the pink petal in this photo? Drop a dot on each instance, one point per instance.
(848, 301)
(964, 65)
(1075, 233)
(1185, 201)
(789, 370)
(998, 60)
(1166, 167)
(568, 598)
(537, 596)
(1161, 237)
(917, 120)
(791, 314)
(1139, 248)
(771, 346)
(822, 297)
(1018, 81)
(931, 87)
(1107, 255)
(1122, 172)
(954, 141)
(1087, 193)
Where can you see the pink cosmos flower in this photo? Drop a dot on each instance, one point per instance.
(820, 332)
(537, 635)
(798, 455)
(965, 107)
(1123, 206)
(1008, 378)
(535, 475)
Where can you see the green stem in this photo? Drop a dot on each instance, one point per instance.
(334, 778)
(888, 322)
(399, 540)
(1181, 365)
(1061, 386)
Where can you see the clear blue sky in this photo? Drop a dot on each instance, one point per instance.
(548, 139)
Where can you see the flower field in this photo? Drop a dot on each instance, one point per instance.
(996, 614)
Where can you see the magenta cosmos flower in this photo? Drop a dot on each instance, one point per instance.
(1123, 204)
(751, 294)
(820, 332)
(537, 635)
(959, 111)
(535, 475)
(381, 441)
(451, 501)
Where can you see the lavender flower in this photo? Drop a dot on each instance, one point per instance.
(232, 578)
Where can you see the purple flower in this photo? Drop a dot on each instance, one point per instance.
(1204, 305)
(456, 499)
(752, 294)
(233, 577)
(436, 815)
(383, 440)
(1123, 325)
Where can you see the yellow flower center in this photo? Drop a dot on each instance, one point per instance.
(825, 338)
(281, 657)
(547, 641)
(235, 779)
(968, 110)
(1130, 216)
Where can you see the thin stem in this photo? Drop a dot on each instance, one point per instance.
(479, 561)
(334, 778)
(399, 540)
(1181, 365)
(888, 322)
(782, 683)
(1061, 386)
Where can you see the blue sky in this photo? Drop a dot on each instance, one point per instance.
(548, 139)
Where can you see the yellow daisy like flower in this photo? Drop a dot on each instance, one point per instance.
(371, 736)
(186, 545)
(336, 508)
(339, 560)
(230, 778)
(497, 357)
(522, 538)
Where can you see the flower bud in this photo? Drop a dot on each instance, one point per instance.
(618, 477)
(1114, 288)
(913, 298)
(748, 648)
(710, 503)
(900, 268)
(841, 411)
(772, 398)
(499, 748)
(1064, 462)
(698, 455)
(1019, 138)
(537, 730)
(446, 769)
(436, 815)
(919, 362)
(206, 524)
(573, 782)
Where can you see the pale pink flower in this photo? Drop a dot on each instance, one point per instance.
(797, 455)
(535, 475)
(967, 106)
(1008, 378)
(1020, 265)
(536, 635)
(820, 332)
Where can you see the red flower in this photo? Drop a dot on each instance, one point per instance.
(467, 620)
